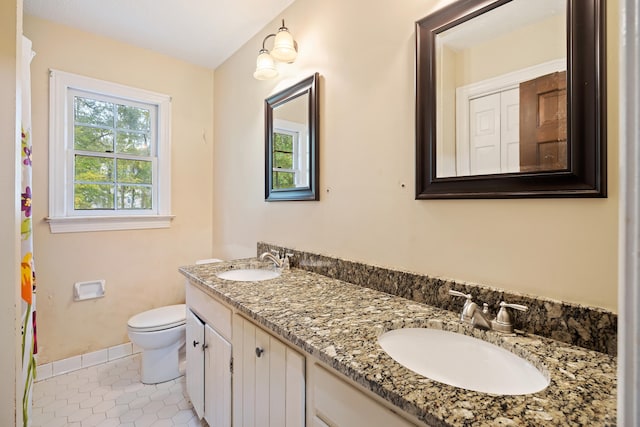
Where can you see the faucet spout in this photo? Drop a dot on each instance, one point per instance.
(472, 314)
(271, 257)
(481, 319)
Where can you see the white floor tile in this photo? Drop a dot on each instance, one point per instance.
(67, 410)
(131, 416)
(162, 423)
(183, 417)
(94, 420)
(110, 395)
(146, 420)
(169, 411)
(110, 422)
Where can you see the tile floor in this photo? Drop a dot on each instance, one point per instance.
(109, 395)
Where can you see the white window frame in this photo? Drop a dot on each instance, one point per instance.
(63, 218)
(300, 136)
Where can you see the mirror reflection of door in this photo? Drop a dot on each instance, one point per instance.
(290, 156)
(543, 123)
(494, 137)
(521, 129)
(481, 127)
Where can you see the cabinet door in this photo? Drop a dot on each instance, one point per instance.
(217, 379)
(269, 384)
(195, 362)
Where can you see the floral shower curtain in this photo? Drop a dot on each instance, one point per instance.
(28, 279)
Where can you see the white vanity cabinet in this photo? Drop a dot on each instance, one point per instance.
(268, 379)
(237, 371)
(209, 359)
(336, 403)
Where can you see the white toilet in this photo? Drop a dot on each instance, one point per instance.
(160, 333)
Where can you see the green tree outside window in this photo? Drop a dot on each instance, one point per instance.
(113, 167)
(283, 159)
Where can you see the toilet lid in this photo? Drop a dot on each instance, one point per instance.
(159, 318)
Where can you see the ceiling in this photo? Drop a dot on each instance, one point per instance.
(500, 21)
(202, 32)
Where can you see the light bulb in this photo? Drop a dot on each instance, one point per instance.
(265, 66)
(284, 48)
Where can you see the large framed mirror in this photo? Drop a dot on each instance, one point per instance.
(511, 100)
(291, 142)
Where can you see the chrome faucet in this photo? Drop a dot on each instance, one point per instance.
(274, 257)
(472, 314)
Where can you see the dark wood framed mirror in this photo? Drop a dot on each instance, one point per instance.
(546, 62)
(291, 142)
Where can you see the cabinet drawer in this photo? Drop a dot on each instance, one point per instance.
(213, 312)
(339, 404)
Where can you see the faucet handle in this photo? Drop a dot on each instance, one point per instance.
(514, 306)
(502, 322)
(276, 252)
(467, 309)
(459, 294)
(286, 260)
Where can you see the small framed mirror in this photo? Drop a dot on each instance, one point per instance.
(291, 142)
(511, 100)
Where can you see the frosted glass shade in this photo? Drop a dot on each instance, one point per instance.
(265, 67)
(284, 48)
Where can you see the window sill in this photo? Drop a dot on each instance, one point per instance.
(107, 223)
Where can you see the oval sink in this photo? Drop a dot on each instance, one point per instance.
(248, 275)
(462, 361)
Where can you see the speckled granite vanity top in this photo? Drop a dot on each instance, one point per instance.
(339, 323)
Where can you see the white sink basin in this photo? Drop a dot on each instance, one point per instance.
(462, 361)
(248, 275)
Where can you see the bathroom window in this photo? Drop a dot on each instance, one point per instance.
(110, 156)
(283, 159)
(290, 158)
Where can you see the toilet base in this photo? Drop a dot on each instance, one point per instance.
(161, 365)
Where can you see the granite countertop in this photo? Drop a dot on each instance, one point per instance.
(339, 323)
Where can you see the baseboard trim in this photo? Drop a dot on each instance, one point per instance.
(70, 364)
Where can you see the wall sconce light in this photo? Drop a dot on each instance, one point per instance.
(285, 49)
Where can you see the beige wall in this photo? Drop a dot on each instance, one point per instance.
(564, 249)
(10, 361)
(140, 267)
(534, 44)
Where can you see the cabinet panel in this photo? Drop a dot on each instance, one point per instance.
(269, 384)
(195, 362)
(217, 378)
(261, 358)
(277, 359)
(245, 369)
(339, 404)
(295, 388)
(213, 312)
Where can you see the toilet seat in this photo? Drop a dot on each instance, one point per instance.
(158, 319)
